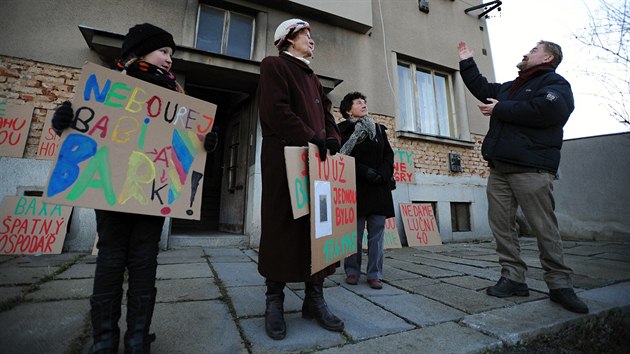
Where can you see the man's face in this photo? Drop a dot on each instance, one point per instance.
(536, 56)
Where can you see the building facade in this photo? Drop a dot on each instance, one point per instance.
(402, 54)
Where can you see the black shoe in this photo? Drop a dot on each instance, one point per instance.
(315, 306)
(567, 298)
(506, 287)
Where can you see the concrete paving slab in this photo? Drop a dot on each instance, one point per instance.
(9, 294)
(469, 282)
(411, 285)
(623, 257)
(364, 289)
(43, 260)
(88, 258)
(605, 269)
(27, 328)
(523, 322)
(392, 273)
(25, 276)
(194, 253)
(231, 259)
(227, 255)
(617, 295)
(78, 271)
(431, 340)
(181, 256)
(584, 250)
(460, 298)
(183, 271)
(459, 260)
(302, 336)
(486, 273)
(250, 300)
(63, 290)
(195, 327)
(238, 274)
(418, 309)
(422, 269)
(252, 254)
(194, 289)
(363, 319)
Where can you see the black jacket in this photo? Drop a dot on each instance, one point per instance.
(372, 199)
(526, 125)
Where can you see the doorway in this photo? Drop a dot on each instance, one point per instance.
(224, 196)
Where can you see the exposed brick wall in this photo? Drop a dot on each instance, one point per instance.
(43, 85)
(432, 158)
(46, 86)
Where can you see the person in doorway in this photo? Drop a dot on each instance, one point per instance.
(366, 141)
(293, 111)
(129, 241)
(522, 148)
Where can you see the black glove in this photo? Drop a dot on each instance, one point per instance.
(211, 141)
(62, 118)
(321, 146)
(374, 177)
(333, 146)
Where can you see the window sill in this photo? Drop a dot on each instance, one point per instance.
(435, 139)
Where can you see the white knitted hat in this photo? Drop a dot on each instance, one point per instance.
(287, 28)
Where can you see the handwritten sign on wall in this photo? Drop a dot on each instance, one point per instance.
(15, 122)
(404, 171)
(132, 147)
(31, 226)
(420, 225)
(390, 236)
(49, 141)
(333, 199)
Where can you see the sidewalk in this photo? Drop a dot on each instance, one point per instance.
(212, 301)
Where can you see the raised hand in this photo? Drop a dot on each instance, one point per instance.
(464, 51)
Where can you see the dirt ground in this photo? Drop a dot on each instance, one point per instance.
(609, 334)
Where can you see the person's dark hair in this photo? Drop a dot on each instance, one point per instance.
(554, 50)
(292, 36)
(346, 103)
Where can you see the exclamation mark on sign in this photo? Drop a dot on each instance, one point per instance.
(194, 183)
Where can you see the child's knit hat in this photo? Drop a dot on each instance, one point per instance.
(144, 38)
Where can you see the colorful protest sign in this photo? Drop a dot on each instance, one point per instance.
(132, 147)
(390, 236)
(296, 158)
(420, 225)
(15, 122)
(404, 170)
(31, 226)
(333, 191)
(49, 141)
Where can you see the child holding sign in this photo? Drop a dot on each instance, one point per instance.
(129, 241)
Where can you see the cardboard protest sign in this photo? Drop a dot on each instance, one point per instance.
(390, 236)
(133, 147)
(333, 191)
(404, 170)
(296, 158)
(15, 122)
(49, 141)
(31, 226)
(420, 225)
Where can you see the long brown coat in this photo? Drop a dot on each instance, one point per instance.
(293, 110)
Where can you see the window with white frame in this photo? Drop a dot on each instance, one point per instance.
(224, 32)
(426, 100)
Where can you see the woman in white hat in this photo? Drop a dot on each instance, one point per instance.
(294, 111)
